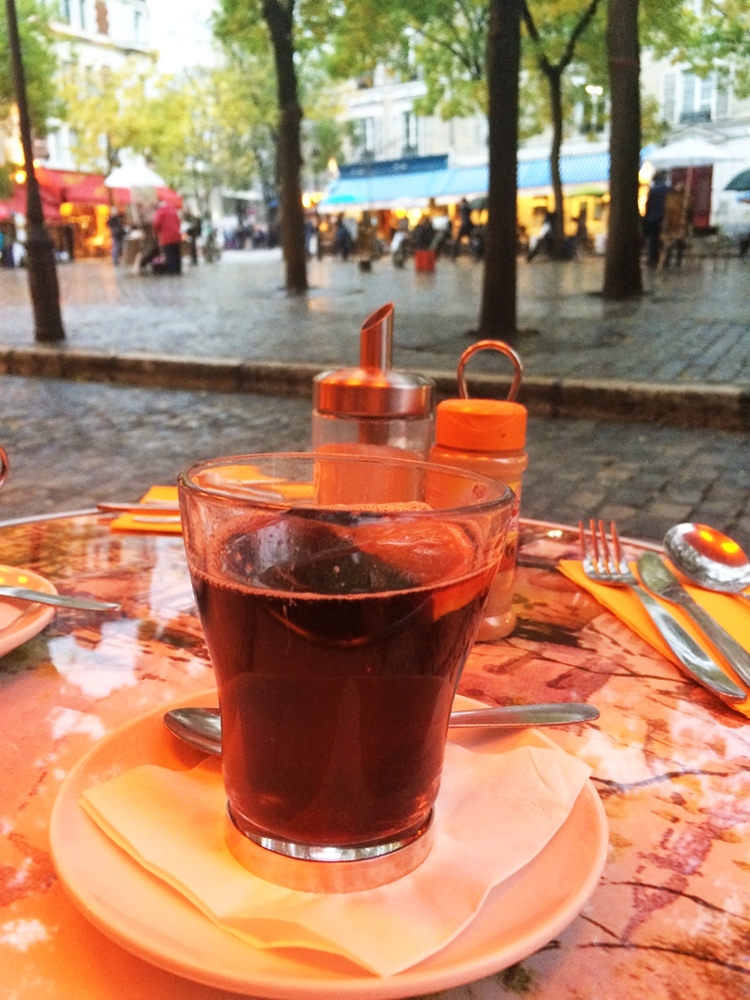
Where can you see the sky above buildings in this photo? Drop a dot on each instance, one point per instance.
(181, 32)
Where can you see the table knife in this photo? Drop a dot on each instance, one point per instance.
(660, 579)
(58, 600)
(158, 518)
(118, 505)
(696, 663)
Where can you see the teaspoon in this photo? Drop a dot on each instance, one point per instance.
(201, 727)
(708, 557)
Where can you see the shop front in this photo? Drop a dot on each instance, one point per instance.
(397, 193)
(76, 208)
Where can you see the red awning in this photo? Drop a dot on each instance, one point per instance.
(50, 202)
(58, 186)
(84, 189)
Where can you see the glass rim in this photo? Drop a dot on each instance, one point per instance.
(185, 482)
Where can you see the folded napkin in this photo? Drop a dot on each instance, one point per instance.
(730, 612)
(155, 494)
(496, 811)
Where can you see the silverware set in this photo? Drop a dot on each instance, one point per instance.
(163, 512)
(604, 562)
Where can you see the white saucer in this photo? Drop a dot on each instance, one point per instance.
(151, 920)
(20, 620)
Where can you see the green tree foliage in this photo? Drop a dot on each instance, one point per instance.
(255, 27)
(108, 111)
(710, 37)
(214, 128)
(555, 28)
(202, 129)
(39, 64)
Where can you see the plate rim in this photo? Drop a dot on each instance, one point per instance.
(12, 635)
(410, 982)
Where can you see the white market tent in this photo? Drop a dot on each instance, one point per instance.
(136, 175)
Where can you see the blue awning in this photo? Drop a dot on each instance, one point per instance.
(415, 189)
(585, 169)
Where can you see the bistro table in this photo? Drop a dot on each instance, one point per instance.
(671, 914)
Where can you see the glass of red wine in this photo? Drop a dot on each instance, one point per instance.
(339, 598)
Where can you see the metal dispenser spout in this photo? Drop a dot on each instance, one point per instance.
(376, 339)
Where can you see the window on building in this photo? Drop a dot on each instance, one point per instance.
(722, 102)
(102, 18)
(82, 13)
(137, 25)
(65, 10)
(670, 106)
(410, 145)
(362, 135)
(593, 112)
(697, 98)
(481, 130)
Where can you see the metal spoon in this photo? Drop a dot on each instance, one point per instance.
(59, 600)
(708, 557)
(201, 727)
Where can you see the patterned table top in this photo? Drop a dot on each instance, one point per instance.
(671, 915)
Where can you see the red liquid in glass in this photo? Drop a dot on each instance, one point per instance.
(335, 707)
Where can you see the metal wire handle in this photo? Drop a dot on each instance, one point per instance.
(492, 345)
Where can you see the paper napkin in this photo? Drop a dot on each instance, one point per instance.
(155, 494)
(730, 612)
(495, 812)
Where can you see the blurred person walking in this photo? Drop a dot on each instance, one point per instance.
(117, 231)
(168, 231)
(653, 218)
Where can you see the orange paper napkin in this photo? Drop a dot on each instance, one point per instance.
(496, 810)
(155, 494)
(732, 613)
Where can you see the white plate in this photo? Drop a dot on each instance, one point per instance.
(151, 920)
(20, 620)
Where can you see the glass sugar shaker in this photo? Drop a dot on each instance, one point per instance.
(488, 436)
(374, 409)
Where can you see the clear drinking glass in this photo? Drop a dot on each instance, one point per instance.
(339, 598)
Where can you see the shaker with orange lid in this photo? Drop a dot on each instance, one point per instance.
(488, 436)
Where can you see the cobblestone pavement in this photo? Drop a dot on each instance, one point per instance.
(691, 328)
(73, 444)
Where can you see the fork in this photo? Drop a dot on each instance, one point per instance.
(608, 565)
(605, 569)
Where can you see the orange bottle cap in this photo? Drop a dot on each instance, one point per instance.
(480, 425)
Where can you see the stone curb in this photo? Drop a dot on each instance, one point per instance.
(721, 407)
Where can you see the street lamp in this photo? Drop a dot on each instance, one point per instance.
(40, 255)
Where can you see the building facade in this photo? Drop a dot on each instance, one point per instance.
(382, 128)
(97, 36)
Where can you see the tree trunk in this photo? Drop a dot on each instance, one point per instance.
(554, 73)
(498, 307)
(40, 256)
(622, 269)
(554, 78)
(279, 17)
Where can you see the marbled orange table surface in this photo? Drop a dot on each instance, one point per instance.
(671, 915)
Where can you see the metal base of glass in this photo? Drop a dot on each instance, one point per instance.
(313, 868)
